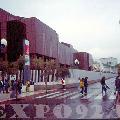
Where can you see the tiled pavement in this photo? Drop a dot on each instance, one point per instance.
(6, 96)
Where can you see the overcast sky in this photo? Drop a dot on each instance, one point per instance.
(89, 25)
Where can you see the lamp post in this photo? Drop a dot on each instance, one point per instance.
(3, 45)
(76, 62)
(4, 42)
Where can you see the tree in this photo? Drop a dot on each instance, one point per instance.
(34, 65)
(62, 72)
(3, 68)
(21, 62)
(52, 67)
(58, 71)
(40, 66)
(48, 68)
(47, 72)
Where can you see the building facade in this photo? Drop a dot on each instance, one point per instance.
(106, 65)
(44, 42)
(85, 60)
(109, 64)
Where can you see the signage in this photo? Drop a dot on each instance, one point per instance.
(27, 57)
(27, 49)
(26, 71)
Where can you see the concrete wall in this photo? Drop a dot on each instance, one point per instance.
(75, 74)
(73, 80)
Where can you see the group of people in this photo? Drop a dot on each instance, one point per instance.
(15, 86)
(105, 86)
(117, 87)
(12, 85)
(83, 85)
(4, 86)
(7, 85)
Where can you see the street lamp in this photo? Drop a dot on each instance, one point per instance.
(3, 45)
(76, 62)
(3, 42)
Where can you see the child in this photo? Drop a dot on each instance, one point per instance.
(82, 85)
(27, 86)
(63, 83)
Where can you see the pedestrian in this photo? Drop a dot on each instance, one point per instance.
(14, 89)
(117, 84)
(82, 85)
(104, 86)
(11, 84)
(19, 85)
(6, 86)
(27, 86)
(85, 85)
(1, 86)
(63, 83)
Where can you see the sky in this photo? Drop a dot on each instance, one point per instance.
(89, 25)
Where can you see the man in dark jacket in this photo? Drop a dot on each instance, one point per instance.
(85, 85)
(19, 86)
(1, 86)
(6, 85)
(117, 84)
(104, 86)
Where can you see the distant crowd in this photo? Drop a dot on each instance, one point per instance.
(83, 83)
(14, 86)
(6, 86)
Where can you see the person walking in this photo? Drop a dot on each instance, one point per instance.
(1, 85)
(14, 89)
(85, 85)
(6, 86)
(82, 85)
(27, 86)
(117, 85)
(12, 84)
(63, 83)
(19, 85)
(104, 86)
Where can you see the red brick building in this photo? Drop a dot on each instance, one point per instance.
(85, 60)
(44, 41)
